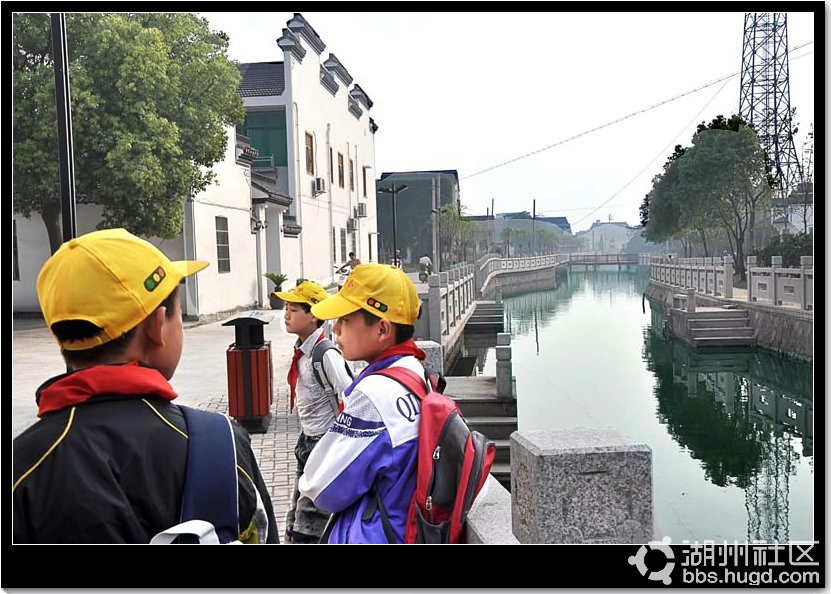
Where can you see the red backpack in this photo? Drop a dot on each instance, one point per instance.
(453, 464)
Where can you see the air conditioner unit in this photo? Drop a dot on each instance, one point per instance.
(318, 185)
(360, 210)
(351, 225)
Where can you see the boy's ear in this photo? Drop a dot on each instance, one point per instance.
(153, 326)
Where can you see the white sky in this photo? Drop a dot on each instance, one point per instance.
(471, 91)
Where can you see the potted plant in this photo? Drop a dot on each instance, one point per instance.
(278, 280)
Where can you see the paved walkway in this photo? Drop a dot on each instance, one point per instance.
(200, 380)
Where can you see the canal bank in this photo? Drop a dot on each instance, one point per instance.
(786, 330)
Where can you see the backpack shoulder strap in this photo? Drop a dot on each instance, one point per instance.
(413, 382)
(318, 351)
(211, 491)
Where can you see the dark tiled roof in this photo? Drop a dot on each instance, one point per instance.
(261, 79)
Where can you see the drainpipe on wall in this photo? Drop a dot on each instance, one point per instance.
(299, 186)
(329, 166)
(190, 299)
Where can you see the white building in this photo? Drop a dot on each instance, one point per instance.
(316, 142)
(295, 199)
(217, 228)
(607, 238)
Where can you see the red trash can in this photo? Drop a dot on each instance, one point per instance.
(250, 384)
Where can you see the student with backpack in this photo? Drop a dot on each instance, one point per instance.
(365, 468)
(108, 460)
(318, 375)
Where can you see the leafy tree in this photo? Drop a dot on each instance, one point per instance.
(790, 247)
(151, 96)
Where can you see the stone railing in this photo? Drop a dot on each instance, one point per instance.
(710, 276)
(775, 285)
(449, 296)
(781, 286)
(494, 266)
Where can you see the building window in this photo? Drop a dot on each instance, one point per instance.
(223, 248)
(267, 132)
(310, 154)
(331, 168)
(343, 242)
(334, 245)
(351, 176)
(340, 170)
(363, 172)
(369, 243)
(16, 263)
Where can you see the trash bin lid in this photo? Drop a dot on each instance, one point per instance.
(250, 318)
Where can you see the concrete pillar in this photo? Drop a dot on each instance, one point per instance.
(497, 291)
(751, 263)
(728, 277)
(434, 303)
(805, 262)
(504, 368)
(775, 262)
(580, 486)
(691, 300)
(435, 355)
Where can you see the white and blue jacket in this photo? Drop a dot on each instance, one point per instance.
(374, 440)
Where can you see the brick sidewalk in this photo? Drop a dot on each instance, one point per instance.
(274, 450)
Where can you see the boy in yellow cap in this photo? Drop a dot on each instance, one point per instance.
(318, 375)
(371, 449)
(106, 461)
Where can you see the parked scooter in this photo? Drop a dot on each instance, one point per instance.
(342, 271)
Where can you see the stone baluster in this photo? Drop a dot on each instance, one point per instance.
(775, 265)
(504, 369)
(805, 262)
(751, 263)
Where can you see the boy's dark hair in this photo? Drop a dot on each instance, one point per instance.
(79, 329)
(402, 331)
(308, 309)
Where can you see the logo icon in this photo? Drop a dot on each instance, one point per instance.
(638, 560)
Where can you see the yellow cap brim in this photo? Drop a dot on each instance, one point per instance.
(289, 296)
(336, 306)
(188, 267)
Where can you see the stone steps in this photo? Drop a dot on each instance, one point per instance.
(493, 427)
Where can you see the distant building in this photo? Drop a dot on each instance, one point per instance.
(607, 237)
(417, 225)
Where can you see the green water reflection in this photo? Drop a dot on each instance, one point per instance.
(731, 431)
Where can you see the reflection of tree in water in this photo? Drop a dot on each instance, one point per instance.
(531, 311)
(737, 412)
(727, 445)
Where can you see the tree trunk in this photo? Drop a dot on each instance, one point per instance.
(704, 242)
(51, 216)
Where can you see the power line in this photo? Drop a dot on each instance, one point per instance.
(617, 121)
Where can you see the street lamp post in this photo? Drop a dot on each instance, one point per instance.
(394, 190)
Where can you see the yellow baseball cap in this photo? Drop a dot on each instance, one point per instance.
(308, 292)
(110, 278)
(381, 289)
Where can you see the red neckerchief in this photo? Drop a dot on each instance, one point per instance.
(387, 358)
(123, 378)
(294, 372)
(408, 347)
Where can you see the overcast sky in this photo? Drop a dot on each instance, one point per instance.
(576, 111)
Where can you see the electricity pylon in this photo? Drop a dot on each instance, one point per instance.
(765, 97)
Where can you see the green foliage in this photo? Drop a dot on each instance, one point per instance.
(790, 247)
(151, 96)
(277, 279)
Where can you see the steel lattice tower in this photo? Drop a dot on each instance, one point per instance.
(765, 96)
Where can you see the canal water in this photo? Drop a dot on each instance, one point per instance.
(731, 432)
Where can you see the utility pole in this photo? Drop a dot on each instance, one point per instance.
(534, 227)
